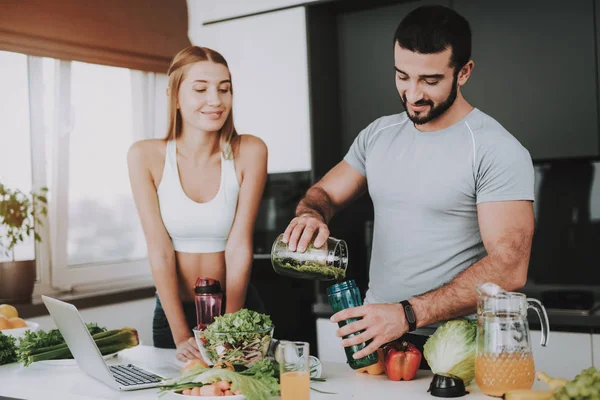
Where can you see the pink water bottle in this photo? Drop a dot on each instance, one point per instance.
(209, 301)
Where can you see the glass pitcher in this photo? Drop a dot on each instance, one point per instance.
(504, 360)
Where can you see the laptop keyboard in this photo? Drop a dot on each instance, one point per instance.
(129, 375)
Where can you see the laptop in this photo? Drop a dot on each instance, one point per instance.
(88, 356)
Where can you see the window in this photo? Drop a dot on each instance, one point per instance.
(15, 141)
(103, 225)
(97, 236)
(68, 126)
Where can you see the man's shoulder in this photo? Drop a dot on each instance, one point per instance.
(492, 139)
(487, 131)
(387, 123)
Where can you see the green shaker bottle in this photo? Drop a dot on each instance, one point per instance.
(346, 295)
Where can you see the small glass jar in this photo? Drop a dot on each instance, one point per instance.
(346, 295)
(325, 263)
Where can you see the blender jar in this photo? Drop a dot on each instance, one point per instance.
(325, 263)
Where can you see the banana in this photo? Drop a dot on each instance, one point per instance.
(523, 394)
(553, 383)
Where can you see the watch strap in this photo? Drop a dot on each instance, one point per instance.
(409, 313)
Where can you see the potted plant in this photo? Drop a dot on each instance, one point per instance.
(19, 214)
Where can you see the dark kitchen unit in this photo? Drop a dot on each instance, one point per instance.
(288, 301)
(565, 252)
(515, 47)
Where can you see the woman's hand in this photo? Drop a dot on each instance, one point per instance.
(188, 350)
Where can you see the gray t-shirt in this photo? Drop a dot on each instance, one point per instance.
(425, 188)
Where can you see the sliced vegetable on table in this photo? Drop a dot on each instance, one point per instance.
(255, 383)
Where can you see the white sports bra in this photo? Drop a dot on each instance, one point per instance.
(197, 227)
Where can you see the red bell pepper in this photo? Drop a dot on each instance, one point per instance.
(401, 361)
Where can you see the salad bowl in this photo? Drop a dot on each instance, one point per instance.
(237, 348)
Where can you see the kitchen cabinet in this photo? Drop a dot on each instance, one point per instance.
(329, 345)
(268, 58)
(214, 10)
(596, 350)
(535, 72)
(565, 355)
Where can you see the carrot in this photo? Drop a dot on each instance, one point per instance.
(210, 390)
(197, 391)
(187, 392)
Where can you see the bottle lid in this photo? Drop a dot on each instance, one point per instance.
(207, 286)
(341, 286)
(446, 385)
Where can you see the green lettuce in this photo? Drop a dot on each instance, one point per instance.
(243, 320)
(451, 349)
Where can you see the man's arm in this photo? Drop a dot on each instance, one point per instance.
(506, 230)
(335, 190)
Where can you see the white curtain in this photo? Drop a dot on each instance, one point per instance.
(149, 91)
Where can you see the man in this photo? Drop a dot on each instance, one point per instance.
(452, 192)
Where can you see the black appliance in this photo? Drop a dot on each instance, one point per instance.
(565, 248)
(282, 193)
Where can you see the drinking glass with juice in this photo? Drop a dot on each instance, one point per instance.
(294, 370)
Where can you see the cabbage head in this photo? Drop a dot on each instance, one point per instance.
(451, 349)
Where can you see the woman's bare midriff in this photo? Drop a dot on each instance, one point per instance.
(190, 266)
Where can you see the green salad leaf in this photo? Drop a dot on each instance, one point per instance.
(243, 320)
(451, 349)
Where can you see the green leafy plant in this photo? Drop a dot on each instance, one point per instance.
(19, 214)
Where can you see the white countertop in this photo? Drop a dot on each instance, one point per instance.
(49, 382)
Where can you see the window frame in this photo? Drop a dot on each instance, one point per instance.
(53, 270)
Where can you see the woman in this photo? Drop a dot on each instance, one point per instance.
(197, 193)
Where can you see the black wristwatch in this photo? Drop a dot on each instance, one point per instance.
(410, 315)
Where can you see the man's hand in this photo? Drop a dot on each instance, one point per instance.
(302, 229)
(381, 322)
(187, 350)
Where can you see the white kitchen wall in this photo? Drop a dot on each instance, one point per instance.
(212, 10)
(268, 58)
(136, 314)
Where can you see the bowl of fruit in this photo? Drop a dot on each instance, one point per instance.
(11, 324)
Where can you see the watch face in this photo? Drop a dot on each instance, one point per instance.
(410, 315)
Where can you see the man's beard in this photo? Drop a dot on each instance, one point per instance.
(434, 111)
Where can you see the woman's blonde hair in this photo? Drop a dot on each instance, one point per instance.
(177, 72)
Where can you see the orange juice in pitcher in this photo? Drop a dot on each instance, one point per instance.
(504, 360)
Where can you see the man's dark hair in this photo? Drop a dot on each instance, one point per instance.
(433, 29)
